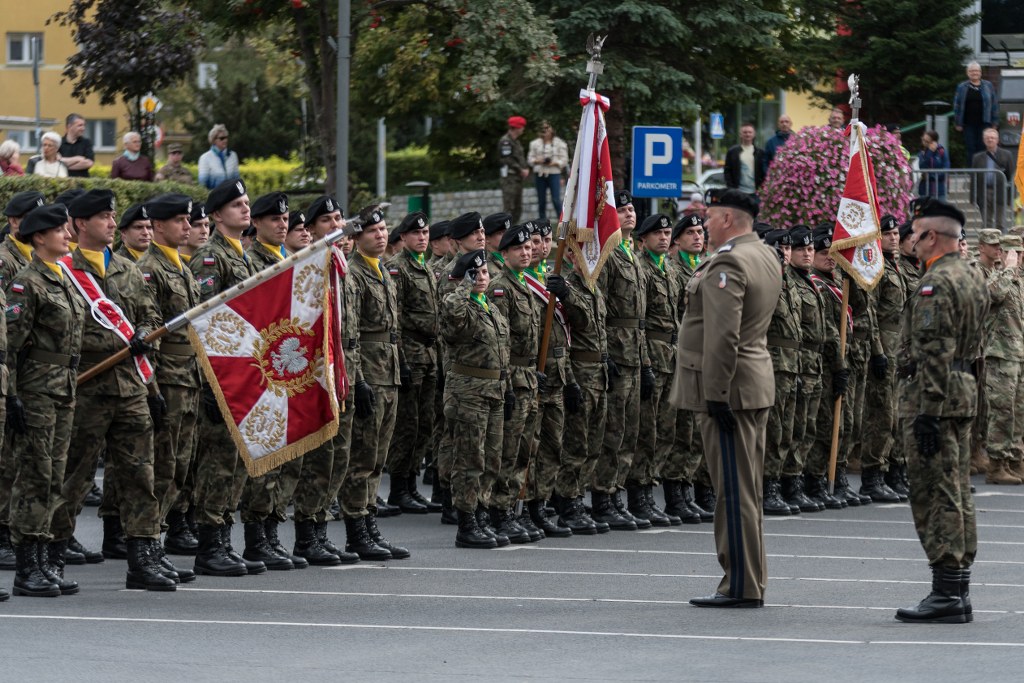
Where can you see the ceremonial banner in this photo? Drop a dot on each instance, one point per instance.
(589, 203)
(267, 355)
(856, 242)
(339, 269)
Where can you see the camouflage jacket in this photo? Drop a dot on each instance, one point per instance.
(942, 333)
(910, 269)
(476, 338)
(682, 272)
(417, 309)
(519, 306)
(865, 341)
(586, 313)
(510, 152)
(819, 337)
(11, 260)
(557, 367)
(262, 258)
(174, 291)
(437, 263)
(124, 252)
(662, 327)
(447, 284)
(217, 266)
(44, 331)
(1004, 324)
(495, 264)
(372, 311)
(888, 298)
(784, 328)
(834, 316)
(624, 286)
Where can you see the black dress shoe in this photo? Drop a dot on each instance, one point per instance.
(719, 600)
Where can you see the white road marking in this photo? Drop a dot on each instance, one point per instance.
(824, 536)
(841, 520)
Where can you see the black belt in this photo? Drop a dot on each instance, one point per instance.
(669, 337)
(424, 339)
(479, 373)
(783, 343)
(172, 349)
(811, 346)
(381, 337)
(588, 356)
(50, 358)
(626, 322)
(556, 352)
(523, 361)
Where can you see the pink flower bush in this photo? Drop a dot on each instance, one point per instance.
(805, 181)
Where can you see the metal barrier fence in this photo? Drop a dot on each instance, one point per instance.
(985, 196)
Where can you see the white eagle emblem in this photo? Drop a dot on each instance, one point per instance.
(290, 358)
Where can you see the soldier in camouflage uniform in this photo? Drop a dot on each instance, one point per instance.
(942, 336)
(136, 232)
(910, 270)
(1013, 245)
(478, 395)
(440, 247)
(495, 226)
(513, 169)
(418, 313)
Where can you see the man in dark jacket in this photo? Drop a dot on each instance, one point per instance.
(989, 189)
(744, 163)
(776, 141)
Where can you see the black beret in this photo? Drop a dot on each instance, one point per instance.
(474, 259)
(464, 225)
(544, 227)
(168, 206)
(68, 195)
(250, 231)
(371, 215)
(623, 197)
(439, 230)
(778, 237)
(496, 222)
(394, 236)
(930, 207)
(532, 227)
(295, 219)
(734, 199)
(226, 192)
(963, 235)
(888, 223)
(43, 218)
(320, 206)
(513, 237)
(198, 212)
(23, 202)
(135, 212)
(691, 221)
(822, 236)
(88, 204)
(905, 230)
(761, 229)
(657, 221)
(801, 236)
(270, 204)
(417, 220)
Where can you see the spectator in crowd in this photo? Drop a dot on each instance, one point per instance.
(897, 133)
(696, 207)
(49, 163)
(932, 155)
(76, 149)
(219, 163)
(990, 194)
(744, 163)
(10, 153)
(132, 164)
(780, 138)
(173, 170)
(975, 108)
(548, 155)
(837, 119)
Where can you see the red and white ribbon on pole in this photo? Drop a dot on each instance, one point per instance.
(538, 289)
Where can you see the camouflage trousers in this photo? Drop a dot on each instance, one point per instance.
(940, 494)
(818, 456)
(584, 431)
(186, 497)
(6, 476)
(124, 426)
(879, 424)
(781, 416)
(411, 443)
(173, 442)
(853, 402)
(476, 426)
(805, 424)
(621, 431)
(439, 431)
(308, 488)
(218, 470)
(39, 457)
(260, 494)
(371, 437)
(515, 450)
(546, 443)
(512, 196)
(1005, 408)
(979, 431)
(342, 447)
(687, 450)
(655, 440)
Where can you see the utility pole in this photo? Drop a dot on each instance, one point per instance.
(341, 132)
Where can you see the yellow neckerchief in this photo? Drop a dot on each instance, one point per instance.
(692, 259)
(659, 259)
(237, 244)
(480, 299)
(374, 264)
(625, 247)
(96, 258)
(184, 257)
(24, 249)
(519, 276)
(136, 255)
(417, 257)
(55, 268)
(279, 252)
(540, 271)
(72, 246)
(172, 255)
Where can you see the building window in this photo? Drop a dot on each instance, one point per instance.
(19, 47)
(103, 133)
(26, 139)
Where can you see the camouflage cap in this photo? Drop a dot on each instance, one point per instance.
(989, 236)
(1011, 243)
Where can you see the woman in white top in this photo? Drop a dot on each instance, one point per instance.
(548, 155)
(48, 163)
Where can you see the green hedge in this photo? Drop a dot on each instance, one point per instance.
(127, 192)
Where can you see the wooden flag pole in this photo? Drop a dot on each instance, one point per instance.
(837, 410)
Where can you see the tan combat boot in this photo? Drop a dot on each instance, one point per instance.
(979, 460)
(1016, 468)
(999, 474)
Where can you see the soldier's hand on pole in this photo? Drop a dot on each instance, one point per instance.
(557, 285)
(840, 382)
(16, 415)
(613, 371)
(879, 366)
(542, 382)
(157, 410)
(510, 403)
(926, 432)
(365, 400)
(573, 397)
(647, 383)
(405, 375)
(210, 406)
(138, 344)
(722, 414)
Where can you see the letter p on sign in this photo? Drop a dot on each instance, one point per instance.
(657, 151)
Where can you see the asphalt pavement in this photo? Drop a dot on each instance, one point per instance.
(601, 608)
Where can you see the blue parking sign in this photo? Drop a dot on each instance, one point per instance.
(657, 161)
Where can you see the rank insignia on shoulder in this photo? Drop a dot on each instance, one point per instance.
(498, 292)
(724, 248)
(209, 261)
(927, 290)
(18, 288)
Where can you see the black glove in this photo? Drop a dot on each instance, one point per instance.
(722, 413)
(365, 400)
(613, 371)
(157, 410)
(556, 285)
(16, 415)
(573, 397)
(138, 344)
(926, 431)
(840, 382)
(210, 406)
(879, 366)
(405, 374)
(542, 382)
(510, 403)
(647, 383)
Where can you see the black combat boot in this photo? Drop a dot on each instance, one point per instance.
(544, 523)
(257, 549)
(873, 485)
(675, 503)
(358, 541)
(448, 515)
(623, 509)
(308, 547)
(400, 498)
(397, 552)
(943, 605)
(843, 491)
(505, 524)
(690, 496)
(7, 560)
(418, 497)
(167, 568)
(965, 594)
(640, 507)
(72, 556)
(705, 498)
(29, 579)
(652, 503)
(483, 522)
(211, 557)
(524, 521)
(573, 516)
(469, 534)
(114, 544)
(94, 498)
(270, 525)
(320, 530)
(436, 492)
(817, 490)
(252, 567)
(773, 503)
(4, 595)
(144, 571)
(51, 562)
(91, 556)
(793, 494)
(179, 539)
(385, 510)
(604, 511)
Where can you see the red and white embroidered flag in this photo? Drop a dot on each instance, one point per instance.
(589, 203)
(856, 242)
(267, 355)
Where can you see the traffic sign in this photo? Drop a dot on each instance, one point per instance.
(657, 161)
(717, 126)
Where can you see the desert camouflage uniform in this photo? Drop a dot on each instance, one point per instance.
(1004, 351)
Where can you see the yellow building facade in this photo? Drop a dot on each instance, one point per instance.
(23, 21)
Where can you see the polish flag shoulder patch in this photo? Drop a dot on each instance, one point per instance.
(393, 271)
(17, 287)
(209, 261)
(927, 290)
(498, 292)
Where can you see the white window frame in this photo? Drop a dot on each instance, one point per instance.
(26, 40)
(93, 128)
